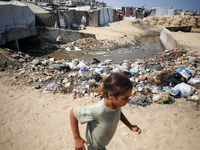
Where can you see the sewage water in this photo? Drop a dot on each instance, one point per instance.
(147, 46)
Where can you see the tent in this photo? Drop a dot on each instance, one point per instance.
(14, 15)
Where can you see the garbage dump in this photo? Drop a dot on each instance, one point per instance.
(160, 79)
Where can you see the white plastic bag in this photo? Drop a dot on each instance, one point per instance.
(71, 65)
(195, 80)
(188, 90)
(184, 72)
(157, 97)
(81, 64)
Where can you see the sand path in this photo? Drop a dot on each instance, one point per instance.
(30, 120)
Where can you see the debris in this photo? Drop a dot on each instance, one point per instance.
(153, 78)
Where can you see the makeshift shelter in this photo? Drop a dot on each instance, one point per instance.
(69, 17)
(140, 13)
(131, 13)
(106, 16)
(159, 11)
(93, 18)
(14, 15)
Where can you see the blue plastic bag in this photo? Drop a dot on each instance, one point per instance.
(82, 69)
(184, 72)
(172, 91)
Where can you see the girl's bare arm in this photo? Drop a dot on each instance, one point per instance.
(134, 128)
(79, 142)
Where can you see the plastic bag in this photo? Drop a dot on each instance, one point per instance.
(52, 86)
(165, 100)
(185, 88)
(83, 69)
(171, 91)
(71, 65)
(155, 89)
(134, 69)
(195, 80)
(81, 65)
(184, 72)
(157, 97)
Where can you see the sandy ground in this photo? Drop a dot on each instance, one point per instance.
(126, 31)
(191, 40)
(115, 31)
(191, 37)
(30, 120)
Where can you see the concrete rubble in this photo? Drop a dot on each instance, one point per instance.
(150, 76)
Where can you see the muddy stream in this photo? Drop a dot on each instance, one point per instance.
(147, 46)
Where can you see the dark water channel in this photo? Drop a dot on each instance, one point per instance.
(147, 46)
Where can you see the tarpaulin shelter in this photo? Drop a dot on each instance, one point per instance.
(93, 18)
(71, 17)
(106, 16)
(14, 15)
(159, 11)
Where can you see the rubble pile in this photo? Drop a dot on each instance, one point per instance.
(94, 44)
(156, 79)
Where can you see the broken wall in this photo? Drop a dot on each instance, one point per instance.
(66, 36)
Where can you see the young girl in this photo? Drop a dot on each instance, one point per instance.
(102, 118)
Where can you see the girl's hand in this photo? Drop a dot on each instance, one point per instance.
(135, 128)
(79, 144)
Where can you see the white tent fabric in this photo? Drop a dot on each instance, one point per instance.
(15, 15)
(110, 12)
(106, 15)
(101, 20)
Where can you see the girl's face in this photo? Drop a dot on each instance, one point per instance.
(121, 100)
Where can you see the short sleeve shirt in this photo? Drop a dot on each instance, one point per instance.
(101, 123)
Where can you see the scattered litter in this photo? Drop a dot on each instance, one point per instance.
(155, 79)
(67, 49)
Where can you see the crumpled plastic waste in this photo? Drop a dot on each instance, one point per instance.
(187, 89)
(184, 72)
(165, 100)
(141, 100)
(195, 80)
(171, 91)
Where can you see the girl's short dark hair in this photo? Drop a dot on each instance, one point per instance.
(116, 84)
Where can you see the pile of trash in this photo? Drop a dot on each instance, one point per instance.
(94, 44)
(160, 79)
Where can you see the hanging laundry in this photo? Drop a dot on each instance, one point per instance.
(123, 10)
(131, 11)
(134, 12)
(127, 11)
